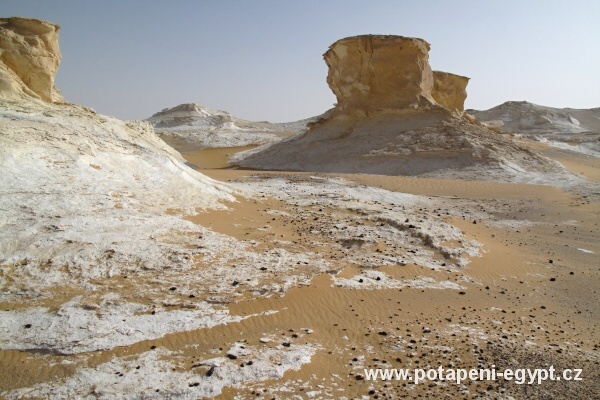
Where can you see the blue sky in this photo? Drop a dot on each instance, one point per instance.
(262, 59)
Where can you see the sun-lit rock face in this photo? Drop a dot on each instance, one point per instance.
(29, 58)
(373, 73)
(450, 90)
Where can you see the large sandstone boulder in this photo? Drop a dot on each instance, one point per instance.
(450, 90)
(29, 58)
(379, 72)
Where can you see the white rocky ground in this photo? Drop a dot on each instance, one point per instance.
(154, 374)
(85, 198)
(567, 128)
(190, 126)
(426, 144)
(96, 253)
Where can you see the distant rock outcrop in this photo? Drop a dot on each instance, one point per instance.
(29, 58)
(528, 118)
(568, 128)
(395, 116)
(190, 126)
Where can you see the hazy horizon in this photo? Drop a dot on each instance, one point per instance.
(262, 60)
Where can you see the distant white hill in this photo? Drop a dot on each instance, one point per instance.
(574, 129)
(191, 126)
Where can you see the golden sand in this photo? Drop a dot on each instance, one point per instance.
(532, 284)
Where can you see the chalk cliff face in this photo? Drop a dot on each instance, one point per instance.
(450, 90)
(375, 72)
(29, 58)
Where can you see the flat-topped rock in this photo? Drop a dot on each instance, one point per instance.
(379, 72)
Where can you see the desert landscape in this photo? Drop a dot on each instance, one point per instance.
(199, 255)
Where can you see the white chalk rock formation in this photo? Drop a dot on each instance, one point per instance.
(528, 118)
(82, 196)
(191, 126)
(395, 116)
(571, 129)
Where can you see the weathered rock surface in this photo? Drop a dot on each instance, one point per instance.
(29, 59)
(494, 125)
(190, 126)
(525, 117)
(572, 129)
(373, 73)
(450, 90)
(82, 196)
(395, 116)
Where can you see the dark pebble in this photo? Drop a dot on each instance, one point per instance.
(232, 356)
(28, 326)
(462, 292)
(286, 344)
(172, 288)
(235, 283)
